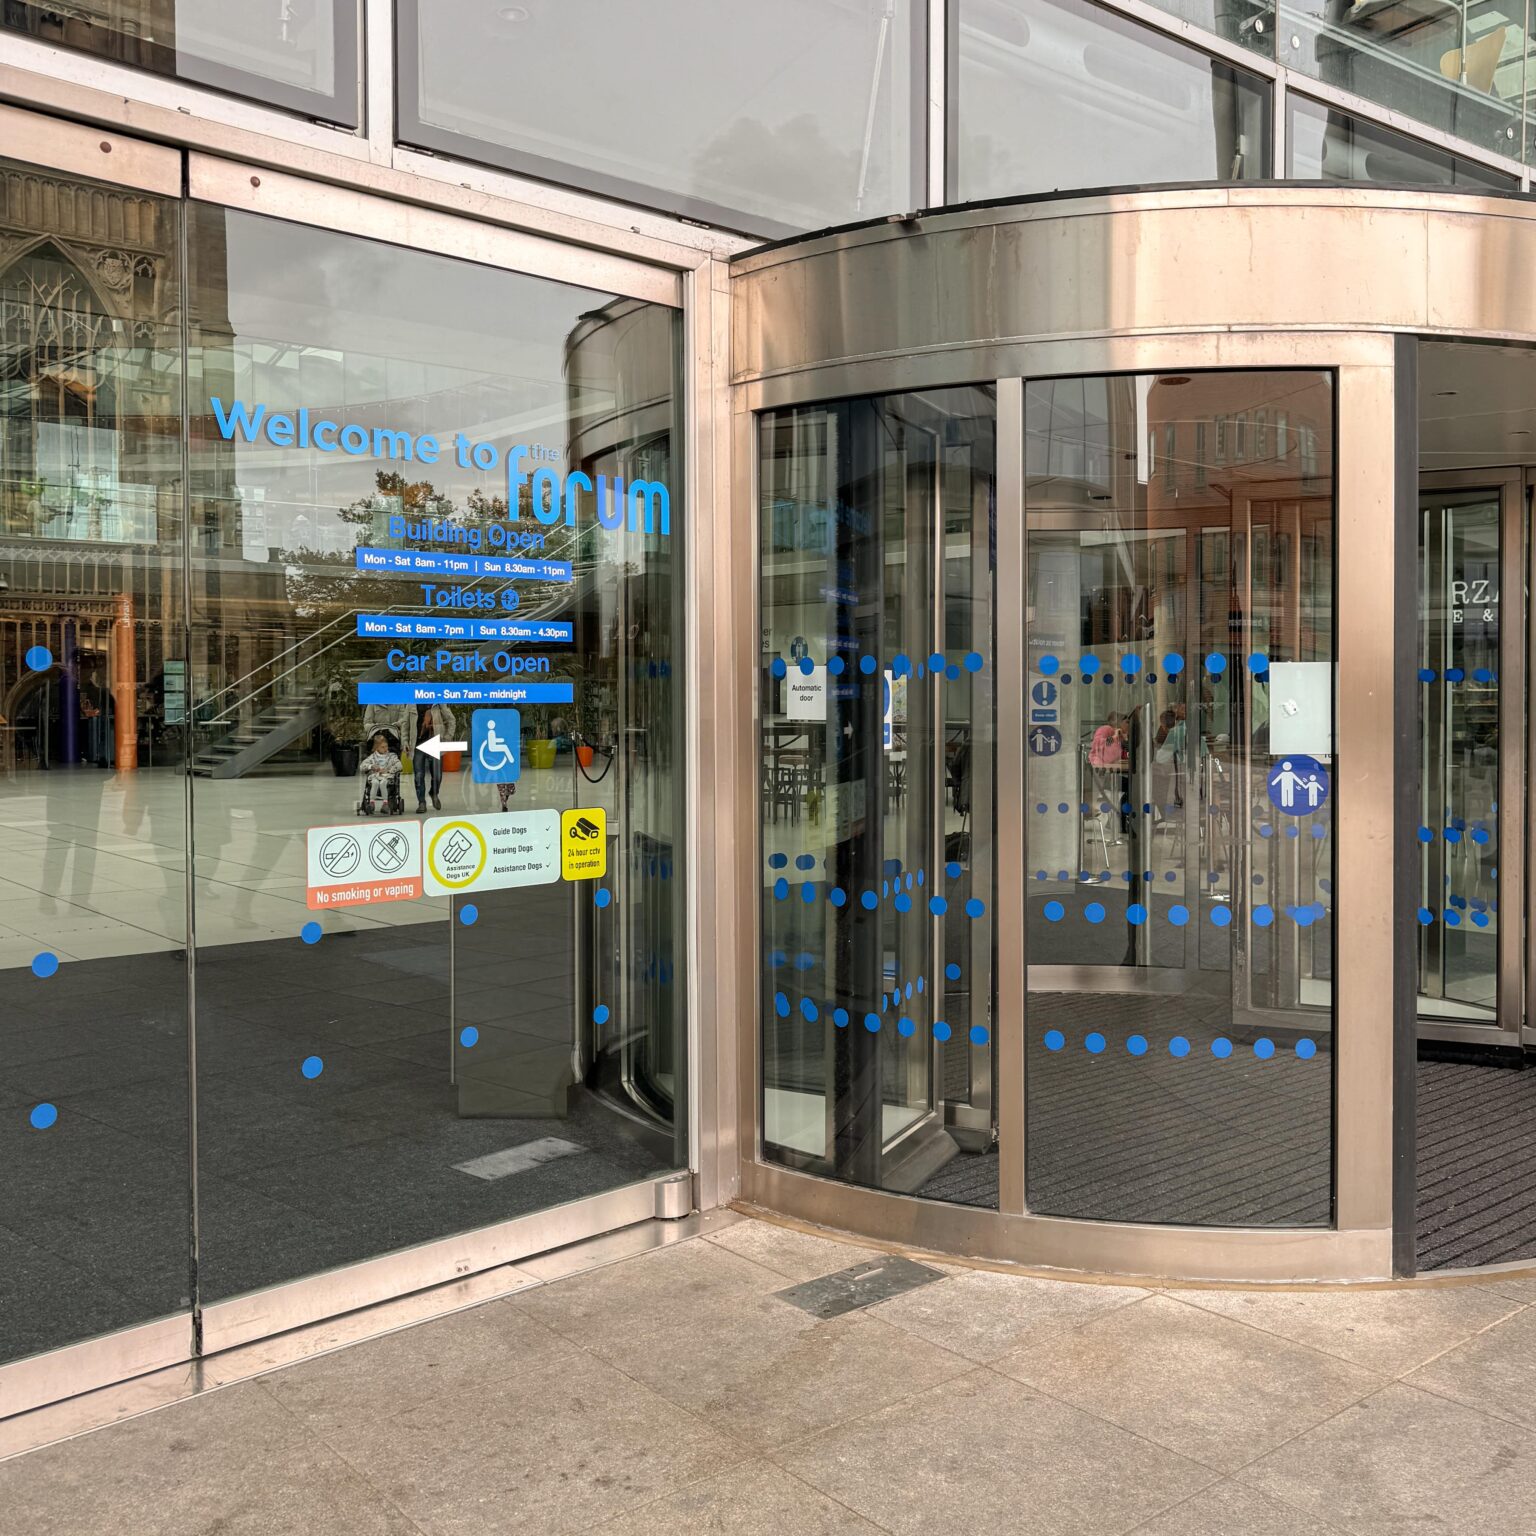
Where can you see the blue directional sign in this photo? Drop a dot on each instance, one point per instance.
(1298, 785)
(1045, 741)
(1044, 692)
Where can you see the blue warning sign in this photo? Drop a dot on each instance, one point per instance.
(1044, 692)
(1298, 785)
(1045, 741)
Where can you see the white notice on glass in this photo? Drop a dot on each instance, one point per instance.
(1301, 709)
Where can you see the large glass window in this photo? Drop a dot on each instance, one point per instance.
(772, 118)
(1327, 145)
(400, 1069)
(297, 54)
(877, 758)
(1454, 64)
(94, 1206)
(1060, 94)
(381, 628)
(1179, 807)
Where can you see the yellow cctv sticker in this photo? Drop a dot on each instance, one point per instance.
(584, 844)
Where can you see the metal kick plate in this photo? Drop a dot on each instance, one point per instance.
(861, 1286)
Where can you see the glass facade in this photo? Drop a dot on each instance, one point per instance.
(772, 119)
(1061, 94)
(877, 755)
(424, 993)
(1328, 145)
(300, 55)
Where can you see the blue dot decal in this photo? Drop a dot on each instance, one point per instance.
(952, 971)
(777, 860)
(1178, 916)
(872, 1023)
(1454, 675)
(869, 901)
(840, 1017)
(905, 1027)
(1426, 674)
(1088, 666)
(936, 662)
(979, 1034)
(808, 892)
(43, 1117)
(1179, 1047)
(1137, 1045)
(808, 1010)
(1173, 663)
(807, 666)
(1054, 911)
(942, 1031)
(838, 896)
(312, 1067)
(777, 667)
(1221, 1048)
(39, 659)
(805, 861)
(837, 666)
(952, 870)
(1482, 675)
(310, 933)
(1258, 662)
(781, 1005)
(1215, 664)
(938, 905)
(973, 661)
(1263, 916)
(1130, 665)
(867, 664)
(903, 903)
(469, 1036)
(1220, 916)
(975, 907)
(1136, 914)
(600, 1014)
(952, 672)
(469, 914)
(1049, 666)
(45, 964)
(1263, 1049)
(780, 889)
(1306, 1049)
(1094, 1044)
(1426, 917)
(1054, 1039)
(1094, 912)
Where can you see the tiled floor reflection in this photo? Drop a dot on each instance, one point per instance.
(679, 1391)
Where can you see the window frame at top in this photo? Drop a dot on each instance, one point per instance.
(342, 107)
(412, 131)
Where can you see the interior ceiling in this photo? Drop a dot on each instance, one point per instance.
(1477, 405)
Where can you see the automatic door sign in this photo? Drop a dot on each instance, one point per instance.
(584, 844)
(489, 851)
(350, 866)
(1045, 741)
(1298, 785)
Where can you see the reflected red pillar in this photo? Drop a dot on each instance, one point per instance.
(125, 686)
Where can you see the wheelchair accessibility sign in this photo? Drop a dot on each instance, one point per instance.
(489, 852)
(495, 744)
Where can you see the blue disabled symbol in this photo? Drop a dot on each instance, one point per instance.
(1298, 785)
(1044, 693)
(496, 744)
(1045, 741)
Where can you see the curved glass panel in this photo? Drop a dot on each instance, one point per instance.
(1179, 810)
(877, 755)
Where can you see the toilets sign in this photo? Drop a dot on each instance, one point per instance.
(1298, 785)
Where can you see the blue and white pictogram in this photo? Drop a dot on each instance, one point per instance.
(1044, 693)
(495, 746)
(1045, 741)
(1298, 785)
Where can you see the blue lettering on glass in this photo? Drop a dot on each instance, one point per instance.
(391, 626)
(426, 562)
(465, 693)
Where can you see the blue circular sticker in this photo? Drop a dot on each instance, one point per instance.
(1298, 785)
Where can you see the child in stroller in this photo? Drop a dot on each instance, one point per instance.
(381, 777)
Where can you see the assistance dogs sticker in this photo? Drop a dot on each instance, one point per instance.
(363, 862)
(489, 851)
